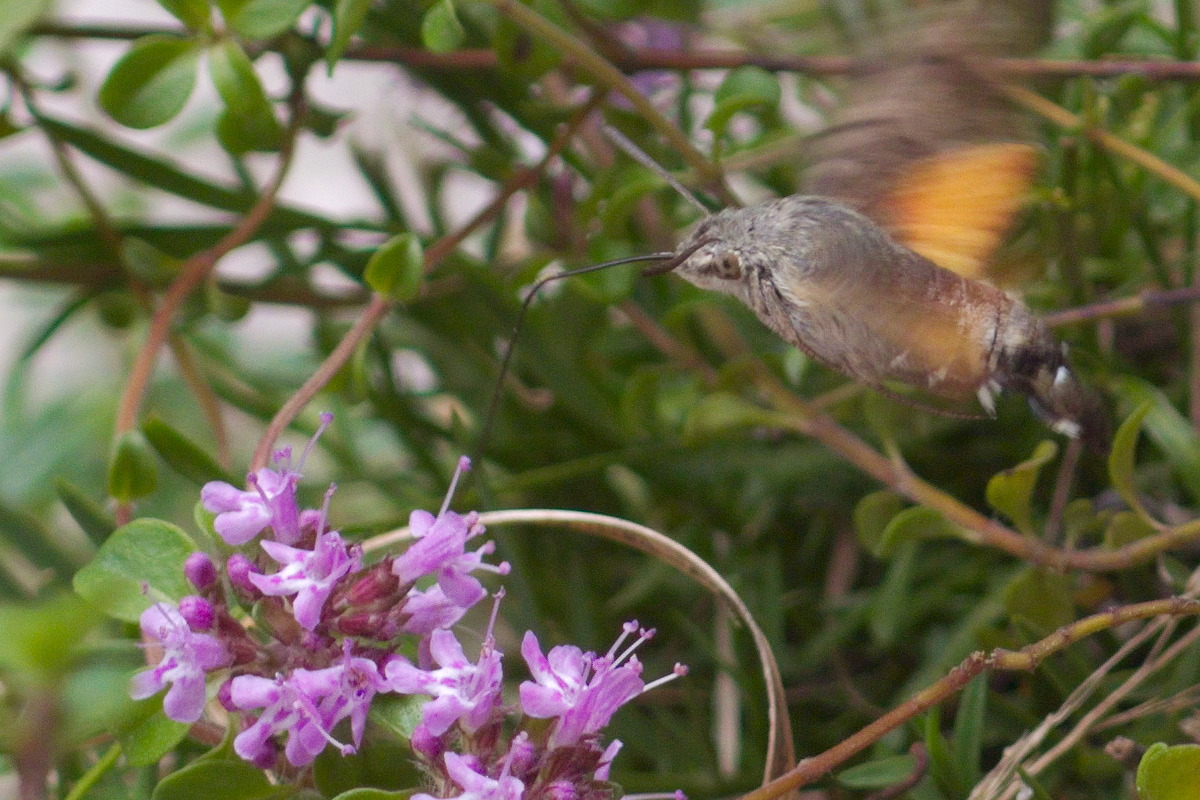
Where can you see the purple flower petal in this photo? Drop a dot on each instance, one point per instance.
(187, 656)
(309, 574)
(462, 691)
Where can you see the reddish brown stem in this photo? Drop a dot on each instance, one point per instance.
(1023, 660)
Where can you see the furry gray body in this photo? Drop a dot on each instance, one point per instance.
(836, 285)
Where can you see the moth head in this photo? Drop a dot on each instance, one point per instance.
(714, 262)
(710, 261)
(1039, 369)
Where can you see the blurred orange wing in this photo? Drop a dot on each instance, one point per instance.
(955, 207)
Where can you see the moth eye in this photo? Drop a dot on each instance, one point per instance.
(727, 265)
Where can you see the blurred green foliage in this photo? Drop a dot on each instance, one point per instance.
(594, 414)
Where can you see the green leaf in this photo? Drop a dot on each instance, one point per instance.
(383, 764)
(878, 774)
(132, 472)
(872, 516)
(969, 724)
(1041, 598)
(1169, 773)
(441, 30)
(397, 268)
(1010, 491)
(261, 19)
(248, 122)
(146, 553)
(182, 454)
(42, 640)
(720, 412)
(226, 779)
(743, 88)
(148, 735)
(916, 524)
(521, 55)
(348, 17)
(1168, 429)
(152, 82)
(87, 513)
(374, 794)
(161, 174)
(1122, 456)
(1126, 527)
(147, 262)
(16, 16)
(890, 613)
(942, 765)
(117, 309)
(196, 14)
(35, 540)
(397, 714)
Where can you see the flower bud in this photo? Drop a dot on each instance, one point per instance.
(197, 612)
(200, 570)
(521, 754)
(376, 584)
(240, 568)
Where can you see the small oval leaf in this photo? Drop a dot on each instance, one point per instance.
(348, 17)
(878, 774)
(872, 516)
(1040, 598)
(248, 122)
(720, 412)
(1126, 527)
(1122, 456)
(1010, 491)
(87, 513)
(441, 30)
(148, 735)
(140, 564)
(132, 472)
(1170, 430)
(261, 19)
(397, 268)
(182, 454)
(151, 83)
(196, 14)
(916, 524)
(227, 779)
(1169, 773)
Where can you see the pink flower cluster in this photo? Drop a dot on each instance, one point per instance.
(325, 639)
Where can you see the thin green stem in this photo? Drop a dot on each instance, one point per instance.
(93, 775)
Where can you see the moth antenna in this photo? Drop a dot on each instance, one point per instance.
(494, 402)
(639, 155)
